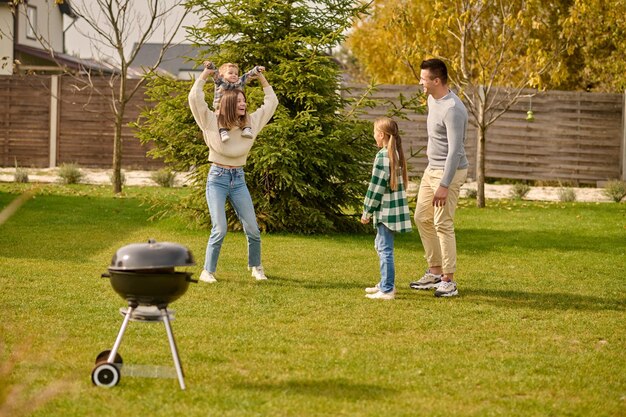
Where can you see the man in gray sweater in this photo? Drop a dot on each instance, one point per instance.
(441, 183)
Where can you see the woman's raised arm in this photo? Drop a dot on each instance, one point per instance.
(204, 117)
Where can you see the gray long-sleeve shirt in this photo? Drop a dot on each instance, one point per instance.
(446, 124)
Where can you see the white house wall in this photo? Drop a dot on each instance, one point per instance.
(6, 40)
(49, 25)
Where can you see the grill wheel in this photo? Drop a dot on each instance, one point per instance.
(105, 375)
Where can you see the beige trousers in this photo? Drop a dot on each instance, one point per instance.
(436, 224)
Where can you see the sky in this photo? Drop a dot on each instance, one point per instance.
(78, 34)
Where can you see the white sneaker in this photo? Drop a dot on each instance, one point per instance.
(373, 290)
(207, 276)
(382, 295)
(246, 133)
(224, 135)
(258, 273)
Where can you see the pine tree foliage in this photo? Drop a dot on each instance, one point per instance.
(308, 168)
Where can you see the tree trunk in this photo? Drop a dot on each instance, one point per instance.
(117, 155)
(480, 149)
(480, 167)
(117, 139)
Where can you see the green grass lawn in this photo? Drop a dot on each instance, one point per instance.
(538, 329)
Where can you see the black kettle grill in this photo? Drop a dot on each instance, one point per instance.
(145, 275)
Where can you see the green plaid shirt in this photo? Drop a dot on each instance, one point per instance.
(384, 205)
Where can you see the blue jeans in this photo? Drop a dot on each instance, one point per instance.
(222, 184)
(384, 247)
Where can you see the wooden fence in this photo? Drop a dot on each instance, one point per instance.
(49, 120)
(575, 137)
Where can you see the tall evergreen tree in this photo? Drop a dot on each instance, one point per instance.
(307, 169)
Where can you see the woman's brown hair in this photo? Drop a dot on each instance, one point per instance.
(397, 162)
(228, 110)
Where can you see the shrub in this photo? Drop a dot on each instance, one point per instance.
(70, 173)
(567, 195)
(519, 190)
(471, 193)
(20, 175)
(615, 190)
(164, 177)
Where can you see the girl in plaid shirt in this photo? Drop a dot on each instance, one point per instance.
(386, 203)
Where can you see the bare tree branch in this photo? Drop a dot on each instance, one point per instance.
(112, 24)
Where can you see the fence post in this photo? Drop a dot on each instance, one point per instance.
(623, 158)
(54, 119)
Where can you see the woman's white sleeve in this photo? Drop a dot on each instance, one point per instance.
(263, 114)
(204, 117)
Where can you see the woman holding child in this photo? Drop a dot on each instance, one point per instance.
(226, 179)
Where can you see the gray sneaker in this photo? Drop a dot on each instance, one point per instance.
(426, 282)
(446, 289)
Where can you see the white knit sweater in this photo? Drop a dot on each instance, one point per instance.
(234, 151)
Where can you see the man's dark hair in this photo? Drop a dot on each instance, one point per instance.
(437, 69)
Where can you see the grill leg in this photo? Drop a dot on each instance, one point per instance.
(170, 337)
(118, 341)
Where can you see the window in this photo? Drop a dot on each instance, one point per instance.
(31, 22)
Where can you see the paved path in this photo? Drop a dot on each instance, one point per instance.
(100, 176)
(90, 176)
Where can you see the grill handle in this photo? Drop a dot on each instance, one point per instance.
(189, 279)
(105, 275)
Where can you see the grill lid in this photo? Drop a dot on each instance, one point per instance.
(151, 255)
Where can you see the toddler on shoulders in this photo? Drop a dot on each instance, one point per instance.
(227, 78)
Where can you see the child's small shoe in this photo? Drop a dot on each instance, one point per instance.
(224, 135)
(246, 133)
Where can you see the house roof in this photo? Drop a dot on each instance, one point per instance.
(69, 61)
(176, 58)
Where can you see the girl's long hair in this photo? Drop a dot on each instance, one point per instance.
(397, 162)
(228, 110)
